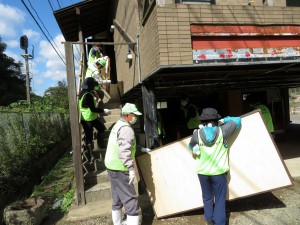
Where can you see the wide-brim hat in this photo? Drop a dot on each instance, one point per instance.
(130, 108)
(89, 84)
(209, 114)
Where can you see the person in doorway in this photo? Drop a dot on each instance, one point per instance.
(95, 53)
(265, 112)
(210, 148)
(119, 161)
(94, 70)
(89, 114)
(191, 115)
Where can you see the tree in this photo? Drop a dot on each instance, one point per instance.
(57, 96)
(12, 81)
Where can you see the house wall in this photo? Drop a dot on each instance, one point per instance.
(174, 22)
(126, 14)
(150, 46)
(165, 38)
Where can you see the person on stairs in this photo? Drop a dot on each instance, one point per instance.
(89, 113)
(95, 53)
(119, 161)
(94, 70)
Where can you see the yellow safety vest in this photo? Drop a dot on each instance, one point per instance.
(193, 123)
(112, 160)
(213, 160)
(86, 113)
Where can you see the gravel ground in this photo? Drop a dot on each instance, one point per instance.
(279, 207)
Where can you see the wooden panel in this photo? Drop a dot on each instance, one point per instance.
(256, 167)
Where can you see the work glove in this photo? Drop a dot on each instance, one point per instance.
(221, 122)
(107, 111)
(131, 176)
(146, 150)
(196, 150)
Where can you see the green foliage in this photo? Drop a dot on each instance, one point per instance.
(12, 81)
(57, 96)
(57, 184)
(55, 99)
(25, 139)
(67, 201)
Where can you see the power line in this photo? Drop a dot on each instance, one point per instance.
(78, 60)
(58, 4)
(45, 28)
(42, 31)
(51, 5)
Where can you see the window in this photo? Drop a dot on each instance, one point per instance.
(145, 7)
(292, 3)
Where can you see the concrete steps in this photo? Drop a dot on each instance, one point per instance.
(96, 180)
(97, 187)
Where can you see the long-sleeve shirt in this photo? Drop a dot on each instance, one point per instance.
(125, 139)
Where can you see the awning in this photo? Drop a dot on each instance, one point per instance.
(92, 16)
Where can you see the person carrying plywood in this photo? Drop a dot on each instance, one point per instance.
(209, 145)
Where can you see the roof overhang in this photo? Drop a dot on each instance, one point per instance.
(92, 17)
(172, 81)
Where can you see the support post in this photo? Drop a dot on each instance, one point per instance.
(75, 126)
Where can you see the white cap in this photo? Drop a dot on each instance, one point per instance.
(130, 108)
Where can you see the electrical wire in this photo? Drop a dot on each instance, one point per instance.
(42, 30)
(58, 4)
(76, 59)
(51, 5)
(46, 29)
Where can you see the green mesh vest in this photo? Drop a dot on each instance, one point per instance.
(86, 113)
(112, 160)
(213, 160)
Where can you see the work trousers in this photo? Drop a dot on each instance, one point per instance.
(88, 129)
(214, 190)
(123, 194)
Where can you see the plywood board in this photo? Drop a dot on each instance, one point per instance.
(256, 166)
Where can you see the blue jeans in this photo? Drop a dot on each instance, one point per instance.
(214, 190)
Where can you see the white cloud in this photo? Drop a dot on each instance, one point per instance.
(11, 18)
(12, 43)
(16, 57)
(32, 35)
(55, 68)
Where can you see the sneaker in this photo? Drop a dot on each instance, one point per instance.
(209, 222)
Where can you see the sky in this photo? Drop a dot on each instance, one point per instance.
(47, 67)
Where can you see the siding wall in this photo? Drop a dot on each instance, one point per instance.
(174, 24)
(149, 46)
(165, 39)
(127, 16)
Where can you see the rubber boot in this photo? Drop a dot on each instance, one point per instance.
(132, 220)
(116, 216)
(90, 149)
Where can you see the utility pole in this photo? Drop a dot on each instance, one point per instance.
(24, 46)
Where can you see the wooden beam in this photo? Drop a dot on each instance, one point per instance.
(75, 128)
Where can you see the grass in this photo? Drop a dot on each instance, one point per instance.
(57, 186)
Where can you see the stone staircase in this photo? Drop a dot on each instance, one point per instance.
(96, 179)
